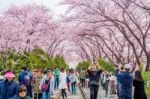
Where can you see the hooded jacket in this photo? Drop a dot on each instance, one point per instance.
(125, 82)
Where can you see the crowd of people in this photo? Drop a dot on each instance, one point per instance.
(41, 84)
(120, 83)
(37, 84)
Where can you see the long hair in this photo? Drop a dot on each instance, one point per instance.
(138, 76)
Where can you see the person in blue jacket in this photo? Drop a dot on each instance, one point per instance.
(125, 82)
(25, 78)
(8, 87)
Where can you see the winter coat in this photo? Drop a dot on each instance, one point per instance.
(63, 81)
(125, 82)
(17, 97)
(52, 82)
(8, 89)
(139, 92)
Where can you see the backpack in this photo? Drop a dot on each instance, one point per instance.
(27, 80)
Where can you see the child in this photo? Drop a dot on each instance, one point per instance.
(22, 93)
(68, 80)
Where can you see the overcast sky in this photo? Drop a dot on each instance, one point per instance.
(52, 4)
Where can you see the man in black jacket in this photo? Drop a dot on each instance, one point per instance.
(94, 75)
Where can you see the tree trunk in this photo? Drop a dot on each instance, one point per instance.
(147, 62)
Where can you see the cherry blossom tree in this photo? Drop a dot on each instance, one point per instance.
(123, 23)
(28, 26)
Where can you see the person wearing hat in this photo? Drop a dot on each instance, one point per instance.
(47, 79)
(125, 82)
(8, 87)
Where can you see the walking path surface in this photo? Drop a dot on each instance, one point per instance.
(101, 94)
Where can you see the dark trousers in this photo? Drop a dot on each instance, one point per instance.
(63, 92)
(82, 82)
(56, 83)
(93, 92)
(29, 90)
(125, 97)
(105, 85)
(37, 95)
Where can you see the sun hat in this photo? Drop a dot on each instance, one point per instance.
(9, 74)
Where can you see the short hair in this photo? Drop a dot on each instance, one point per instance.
(22, 88)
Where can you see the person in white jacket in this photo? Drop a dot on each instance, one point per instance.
(63, 83)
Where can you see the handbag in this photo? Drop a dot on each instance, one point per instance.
(44, 86)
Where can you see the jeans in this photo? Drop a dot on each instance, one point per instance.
(46, 95)
(73, 86)
(56, 83)
(93, 92)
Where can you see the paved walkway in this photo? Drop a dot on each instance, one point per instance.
(101, 94)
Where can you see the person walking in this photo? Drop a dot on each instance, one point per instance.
(25, 78)
(112, 83)
(36, 83)
(105, 82)
(138, 83)
(63, 83)
(56, 76)
(125, 82)
(74, 81)
(8, 87)
(68, 80)
(22, 93)
(87, 79)
(47, 84)
(82, 77)
(94, 76)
